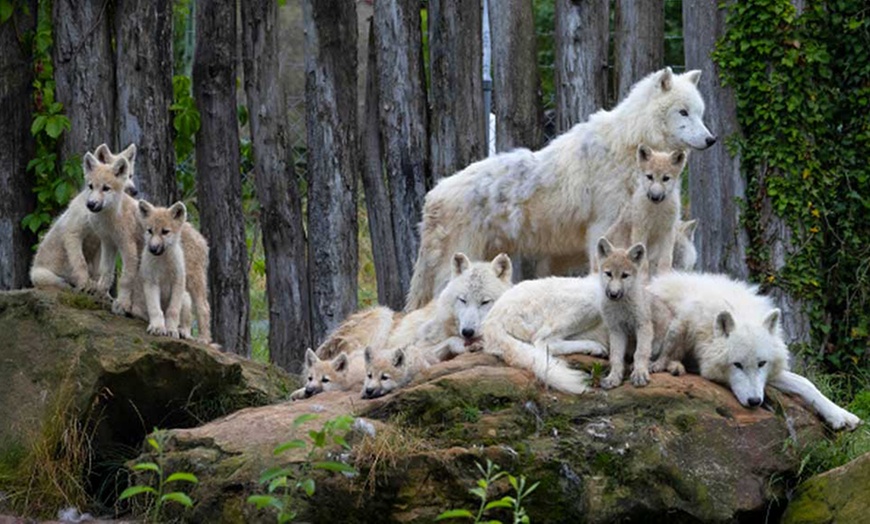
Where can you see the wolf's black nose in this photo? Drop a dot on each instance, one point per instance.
(754, 402)
(711, 140)
(467, 332)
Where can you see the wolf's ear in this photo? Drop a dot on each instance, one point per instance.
(636, 253)
(502, 267)
(145, 208)
(339, 363)
(103, 153)
(605, 248)
(89, 163)
(129, 153)
(665, 79)
(121, 167)
(368, 354)
(771, 321)
(688, 229)
(643, 154)
(460, 264)
(310, 358)
(678, 157)
(399, 358)
(693, 76)
(724, 325)
(178, 212)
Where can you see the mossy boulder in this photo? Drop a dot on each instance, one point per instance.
(679, 450)
(82, 387)
(838, 495)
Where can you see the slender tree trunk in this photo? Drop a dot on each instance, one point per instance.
(456, 88)
(377, 198)
(404, 125)
(16, 149)
(84, 74)
(277, 190)
(330, 109)
(219, 184)
(144, 87)
(582, 34)
(640, 41)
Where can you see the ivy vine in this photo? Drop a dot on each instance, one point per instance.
(802, 85)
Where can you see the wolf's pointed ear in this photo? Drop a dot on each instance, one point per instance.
(310, 358)
(399, 358)
(693, 76)
(129, 153)
(771, 321)
(339, 363)
(178, 212)
(502, 267)
(636, 253)
(460, 264)
(724, 325)
(643, 154)
(89, 163)
(145, 208)
(605, 248)
(368, 354)
(688, 229)
(103, 153)
(678, 157)
(665, 79)
(121, 167)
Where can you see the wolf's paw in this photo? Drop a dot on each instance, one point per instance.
(122, 307)
(103, 285)
(611, 381)
(299, 394)
(843, 420)
(157, 330)
(640, 377)
(173, 333)
(676, 368)
(184, 333)
(658, 366)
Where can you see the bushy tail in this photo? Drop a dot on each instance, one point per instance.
(43, 278)
(549, 369)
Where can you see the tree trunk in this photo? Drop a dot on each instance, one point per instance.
(16, 149)
(404, 125)
(715, 179)
(640, 41)
(582, 34)
(330, 110)
(84, 73)
(380, 215)
(277, 189)
(144, 88)
(219, 184)
(456, 88)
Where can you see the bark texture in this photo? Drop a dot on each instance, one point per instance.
(377, 196)
(403, 117)
(456, 86)
(277, 189)
(330, 111)
(16, 149)
(640, 41)
(144, 90)
(582, 35)
(219, 185)
(84, 73)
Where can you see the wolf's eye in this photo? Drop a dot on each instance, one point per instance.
(325, 380)
(310, 378)
(609, 274)
(164, 231)
(625, 275)
(462, 300)
(106, 188)
(738, 365)
(369, 375)
(91, 187)
(683, 112)
(385, 377)
(761, 364)
(151, 232)
(665, 178)
(485, 302)
(649, 177)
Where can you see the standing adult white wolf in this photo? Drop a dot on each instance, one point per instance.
(559, 200)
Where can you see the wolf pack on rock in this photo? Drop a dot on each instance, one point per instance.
(601, 200)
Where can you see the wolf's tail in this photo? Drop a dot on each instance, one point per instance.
(549, 369)
(433, 253)
(43, 278)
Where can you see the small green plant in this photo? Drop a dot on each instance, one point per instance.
(284, 482)
(159, 496)
(491, 474)
(186, 122)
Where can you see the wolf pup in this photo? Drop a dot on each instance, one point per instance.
(387, 371)
(343, 373)
(174, 261)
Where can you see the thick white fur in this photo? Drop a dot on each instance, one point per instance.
(735, 336)
(537, 320)
(559, 200)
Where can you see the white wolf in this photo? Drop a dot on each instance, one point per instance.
(560, 200)
(735, 336)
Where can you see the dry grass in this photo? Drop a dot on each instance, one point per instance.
(393, 444)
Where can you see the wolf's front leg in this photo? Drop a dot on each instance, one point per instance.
(156, 322)
(79, 277)
(108, 252)
(642, 353)
(129, 270)
(173, 312)
(833, 414)
(618, 343)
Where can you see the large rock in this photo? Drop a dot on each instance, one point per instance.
(838, 495)
(82, 387)
(679, 450)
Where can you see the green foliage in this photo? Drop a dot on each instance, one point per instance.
(160, 495)
(802, 84)
(492, 474)
(545, 23)
(283, 483)
(186, 122)
(55, 183)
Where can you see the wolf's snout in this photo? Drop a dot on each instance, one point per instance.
(467, 332)
(132, 191)
(656, 197)
(614, 295)
(370, 393)
(94, 206)
(309, 391)
(711, 140)
(156, 250)
(753, 402)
